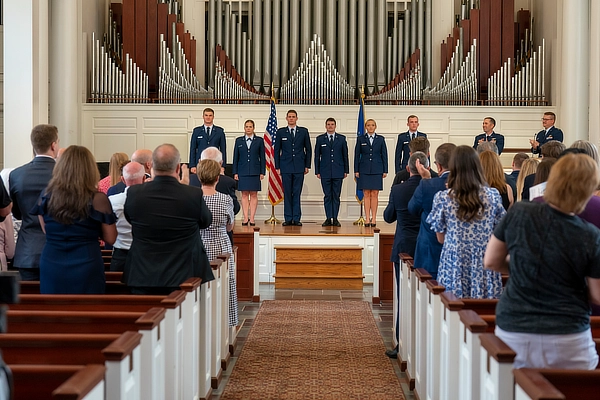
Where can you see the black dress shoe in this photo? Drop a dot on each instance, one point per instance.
(336, 222)
(287, 223)
(252, 224)
(245, 223)
(392, 353)
(327, 222)
(298, 223)
(367, 225)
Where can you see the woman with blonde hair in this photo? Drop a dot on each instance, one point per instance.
(528, 168)
(370, 167)
(215, 237)
(494, 175)
(115, 168)
(74, 216)
(553, 258)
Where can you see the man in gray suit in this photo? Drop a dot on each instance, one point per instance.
(26, 184)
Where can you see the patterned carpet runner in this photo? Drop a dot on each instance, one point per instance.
(313, 350)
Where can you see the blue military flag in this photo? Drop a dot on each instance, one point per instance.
(360, 131)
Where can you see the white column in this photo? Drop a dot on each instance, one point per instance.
(574, 98)
(594, 46)
(25, 76)
(65, 70)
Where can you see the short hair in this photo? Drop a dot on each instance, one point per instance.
(133, 171)
(291, 111)
(165, 158)
(412, 116)
(553, 148)
(589, 148)
(551, 114)
(208, 171)
(571, 183)
(212, 153)
(543, 170)
(142, 156)
(42, 136)
(249, 121)
(444, 153)
(492, 120)
(420, 143)
(487, 146)
(208, 109)
(518, 159)
(331, 119)
(412, 161)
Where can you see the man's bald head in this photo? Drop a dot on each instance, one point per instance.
(133, 173)
(165, 160)
(144, 157)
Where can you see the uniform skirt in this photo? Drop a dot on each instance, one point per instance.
(249, 183)
(370, 182)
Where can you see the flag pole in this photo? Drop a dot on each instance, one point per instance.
(361, 220)
(272, 219)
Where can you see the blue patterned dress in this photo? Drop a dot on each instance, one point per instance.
(461, 263)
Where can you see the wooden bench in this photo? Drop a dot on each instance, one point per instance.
(58, 382)
(112, 287)
(559, 384)
(119, 353)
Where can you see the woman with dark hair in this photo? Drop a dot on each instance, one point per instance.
(74, 216)
(463, 217)
(494, 175)
(249, 167)
(215, 237)
(553, 258)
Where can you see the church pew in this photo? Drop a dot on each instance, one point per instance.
(231, 269)
(205, 334)
(58, 382)
(228, 334)
(433, 335)
(149, 324)
(112, 287)
(216, 312)
(406, 311)
(119, 353)
(535, 384)
(421, 302)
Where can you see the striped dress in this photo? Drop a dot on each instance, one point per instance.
(217, 242)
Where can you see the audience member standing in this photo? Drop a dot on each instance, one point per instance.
(133, 174)
(74, 215)
(370, 167)
(26, 185)
(495, 178)
(463, 217)
(418, 144)
(551, 149)
(517, 162)
(249, 167)
(207, 135)
(142, 156)
(115, 168)
(165, 218)
(553, 258)
(407, 224)
(528, 168)
(331, 167)
(403, 144)
(550, 132)
(489, 135)
(215, 237)
(7, 242)
(292, 153)
(427, 252)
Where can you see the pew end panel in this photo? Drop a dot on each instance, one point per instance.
(123, 365)
(86, 384)
(496, 364)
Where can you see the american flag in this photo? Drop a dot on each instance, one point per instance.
(360, 131)
(275, 186)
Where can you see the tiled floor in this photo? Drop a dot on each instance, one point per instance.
(382, 313)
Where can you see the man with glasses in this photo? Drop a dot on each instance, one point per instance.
(550, 132)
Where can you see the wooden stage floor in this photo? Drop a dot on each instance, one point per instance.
(314, 228)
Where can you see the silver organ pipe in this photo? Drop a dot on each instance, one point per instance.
(383, 51)
(342, 50)
(361, 44)
(371, 46)
(276, 77)
(267, 46)
(352, 46)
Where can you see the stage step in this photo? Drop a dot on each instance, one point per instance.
(318, 267)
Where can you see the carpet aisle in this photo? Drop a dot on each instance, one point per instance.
(313, 350)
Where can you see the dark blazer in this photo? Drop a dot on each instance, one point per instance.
(527, 184)
(200, 141)
(26, 184)
(428, 250)
(167, 249)
(292, 155)
(249, 161)
(553, 134)
(407, 224)
(370, 160)
(403, 176)
(402, 150)
(498, 137)
(116, 189)
(331, 162)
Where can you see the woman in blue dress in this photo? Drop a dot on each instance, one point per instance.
(370, 167)
(464, 217)
(249, 166)
(74, 216)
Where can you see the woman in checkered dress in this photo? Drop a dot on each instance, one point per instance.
(215, 237)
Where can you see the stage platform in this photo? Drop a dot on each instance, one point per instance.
(256, 252)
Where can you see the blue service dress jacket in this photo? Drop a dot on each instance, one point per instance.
(200, 141)
(331, 161)
(542, 137)
(249, 161)
(494, 137)
(292, 154)
(403, 151)
(370, 159)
